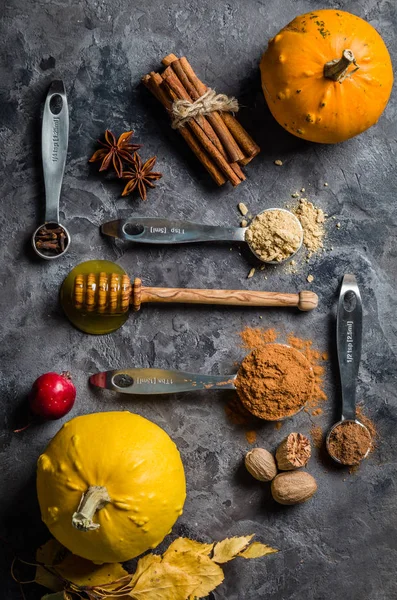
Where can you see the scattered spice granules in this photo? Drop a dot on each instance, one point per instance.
(274, 382)
(368, 424)
(313, 356)
(312, 220)
(349, 442)
(255, 337)
(317, 411)
(274, 235)
(316, 433)
(251, 436)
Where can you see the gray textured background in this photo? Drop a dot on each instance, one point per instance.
(343, 542)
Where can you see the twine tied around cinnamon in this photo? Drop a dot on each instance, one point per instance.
(183, 110)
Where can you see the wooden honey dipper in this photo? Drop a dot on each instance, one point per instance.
(113, 293)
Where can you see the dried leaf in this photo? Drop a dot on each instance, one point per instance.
(143, 564)
(51, 553)
(162, 581)
(186, 545)
(197, 565)
(256, 550)
(230, 548)
(83, 572)
(73, 568)
(57, 596)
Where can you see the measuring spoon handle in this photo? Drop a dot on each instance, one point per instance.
(54, 145)
(349, 342)
(152, 230)
(159, 381)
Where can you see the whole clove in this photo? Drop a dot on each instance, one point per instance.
(51, 240)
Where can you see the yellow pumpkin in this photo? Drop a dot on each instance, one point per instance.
(110, 486)
(327, 76)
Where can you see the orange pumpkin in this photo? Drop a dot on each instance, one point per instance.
(327, 76)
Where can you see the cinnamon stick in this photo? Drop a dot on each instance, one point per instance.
(251, 148)
(200, 120)
(153, 83)
(171, 80)
(243, 139)
(229, 143)
(172, 62)
(217, 139)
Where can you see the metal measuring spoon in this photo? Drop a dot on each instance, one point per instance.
(51, 240)
(138, 381)
(153, 230)
(349, 342)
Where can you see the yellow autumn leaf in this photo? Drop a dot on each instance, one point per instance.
(52, 552)
(229, 548)
(143, 564)
(186, 545)
(256, 550)
(163, 581)
(85, 573)
(72, 568)
(209, 573)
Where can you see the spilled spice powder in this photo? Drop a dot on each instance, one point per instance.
(368, 424)
(317, 411)
(314, 357)
(251, 436)
(349, 442)
(316, 433)
(254, 337)
(312, 220)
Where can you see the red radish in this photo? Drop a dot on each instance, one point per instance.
(52, 395)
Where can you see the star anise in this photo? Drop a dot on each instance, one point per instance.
(115, 151)
(140, 176)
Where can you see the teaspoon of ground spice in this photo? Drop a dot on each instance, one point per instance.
(274, 382)
(275, 385)
(349, 442)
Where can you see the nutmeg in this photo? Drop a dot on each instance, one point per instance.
(293, 487)
(293, 452)
(261, 464)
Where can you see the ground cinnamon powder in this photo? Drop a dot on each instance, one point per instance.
(349, 442)
(314, 357)
(253, 338)
(274, 382)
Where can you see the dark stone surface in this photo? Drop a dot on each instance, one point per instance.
(343, 543)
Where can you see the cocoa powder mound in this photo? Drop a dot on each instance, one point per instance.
(349, 442)
(274, 382)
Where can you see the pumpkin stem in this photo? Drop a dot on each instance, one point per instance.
(95, 498)
(337, 69)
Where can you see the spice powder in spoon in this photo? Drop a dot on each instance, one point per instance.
(275, 381)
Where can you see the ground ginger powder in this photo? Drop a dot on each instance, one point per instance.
(274, 235)
(312, 220)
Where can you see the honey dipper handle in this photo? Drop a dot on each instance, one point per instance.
(304, 300)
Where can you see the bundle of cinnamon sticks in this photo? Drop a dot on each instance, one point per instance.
(217, 139)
